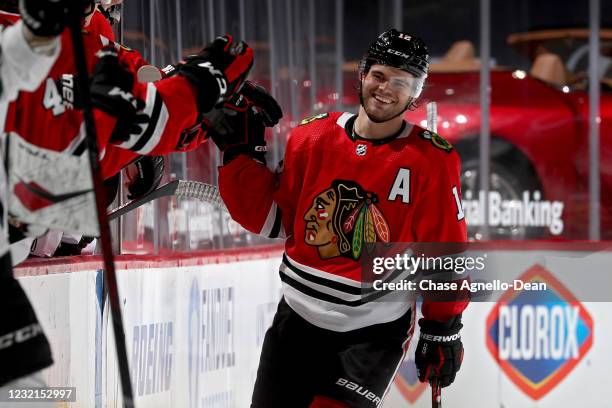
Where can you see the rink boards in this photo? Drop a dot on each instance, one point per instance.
(195, 325)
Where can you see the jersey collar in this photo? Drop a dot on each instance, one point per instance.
(349, 127)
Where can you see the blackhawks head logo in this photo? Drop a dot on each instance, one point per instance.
(344, 219)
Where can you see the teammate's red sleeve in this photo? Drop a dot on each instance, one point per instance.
(100, 25)
(439, 218)
(130, 58)
(172, 110)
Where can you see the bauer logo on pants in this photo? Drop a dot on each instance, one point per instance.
(538, 338)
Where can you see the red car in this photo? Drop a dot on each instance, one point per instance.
(539, 134)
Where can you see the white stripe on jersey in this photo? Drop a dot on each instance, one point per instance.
(320, 287)
(154, 129)
(105, 41)
(316, 302)
(323, 274)
(271, 220)
(343, 118)
(341, 318)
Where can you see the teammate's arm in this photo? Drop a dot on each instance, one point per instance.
(173, 105)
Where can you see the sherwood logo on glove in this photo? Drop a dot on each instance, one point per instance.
(441, 339)
(539, 337)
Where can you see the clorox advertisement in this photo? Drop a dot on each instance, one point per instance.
(538, 337)
(525, 348)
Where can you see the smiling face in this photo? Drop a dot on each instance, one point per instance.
(387, 92)
(319, 229)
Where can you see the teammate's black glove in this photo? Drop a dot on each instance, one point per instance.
(439, 352)
(45, 18)
(111, 91)
(148, 175)
(73, 249)
(239, 127)
(217, 71)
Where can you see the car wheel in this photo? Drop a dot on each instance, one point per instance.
(511, 175)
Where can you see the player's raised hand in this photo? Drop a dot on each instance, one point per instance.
(218, 70)
(239, 126)
(264, 104)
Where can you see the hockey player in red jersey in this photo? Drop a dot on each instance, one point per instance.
(171, 107)
(346, 181)
(29, 50)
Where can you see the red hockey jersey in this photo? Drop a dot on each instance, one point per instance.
(43, 119)
(337, 192)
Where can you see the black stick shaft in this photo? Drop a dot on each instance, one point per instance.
(99, 192)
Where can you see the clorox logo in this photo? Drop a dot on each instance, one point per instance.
(538, 337)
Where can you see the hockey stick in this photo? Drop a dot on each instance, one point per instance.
(99, 193)
(432, 117)
(436, 394)
(179, 189)
(432, 125)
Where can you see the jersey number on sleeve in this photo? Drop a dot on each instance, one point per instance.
(460, 213)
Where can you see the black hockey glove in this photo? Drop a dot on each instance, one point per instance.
(111, 92)
(45, 18)
(73, 249)
(439, 352)
(217, 71)
(239, 127)
(148, 175)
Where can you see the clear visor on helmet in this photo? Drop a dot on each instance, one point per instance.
(401, 83)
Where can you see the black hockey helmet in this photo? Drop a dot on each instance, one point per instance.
(12, 6)
(400, 50)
